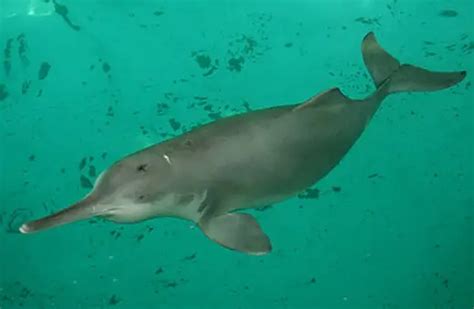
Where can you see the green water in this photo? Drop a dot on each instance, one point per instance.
(84, 83)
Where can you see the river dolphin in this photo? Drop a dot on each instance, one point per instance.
(245, 161)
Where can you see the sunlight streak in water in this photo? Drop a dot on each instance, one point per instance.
(37, 8)
(40, 8)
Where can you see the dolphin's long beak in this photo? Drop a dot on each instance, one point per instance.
(81, 210)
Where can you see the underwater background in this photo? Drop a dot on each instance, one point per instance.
(83, 83)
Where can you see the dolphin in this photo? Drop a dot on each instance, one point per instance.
(208, 175)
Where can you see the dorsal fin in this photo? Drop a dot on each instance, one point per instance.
(333, 95)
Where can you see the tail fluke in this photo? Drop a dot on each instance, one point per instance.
(381, 65)
(411, 78)
(78, 211)
(384, 67)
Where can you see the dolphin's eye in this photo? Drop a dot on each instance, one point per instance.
(142, 167)
(142, 197)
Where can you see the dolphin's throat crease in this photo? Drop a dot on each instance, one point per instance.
(245, 161)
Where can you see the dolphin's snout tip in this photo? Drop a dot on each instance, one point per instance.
(24, 229)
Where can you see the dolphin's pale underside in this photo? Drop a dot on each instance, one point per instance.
(245, 161)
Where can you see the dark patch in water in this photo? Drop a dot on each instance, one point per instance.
(249, 44)
(310, 194)
(3, 92)
(175, 125)
(212, 70)
(63, 11)
(144, 130)
(205, 62)
(215, 116)
(22, 47)
(86, 183)
(448, 13)
(235, 64)
(92, 171)
(44, 70)
(171, 284)
(368, 21)
(162, 108)
(110, 111)
(114, 300)
(115, 234)
(7, 53)
(247, 107)
(106, 67)
(190, 257)
(202, 100)
(25, 86)
(468, 47)
(446, 283)
(83, 163)
(451, 47)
